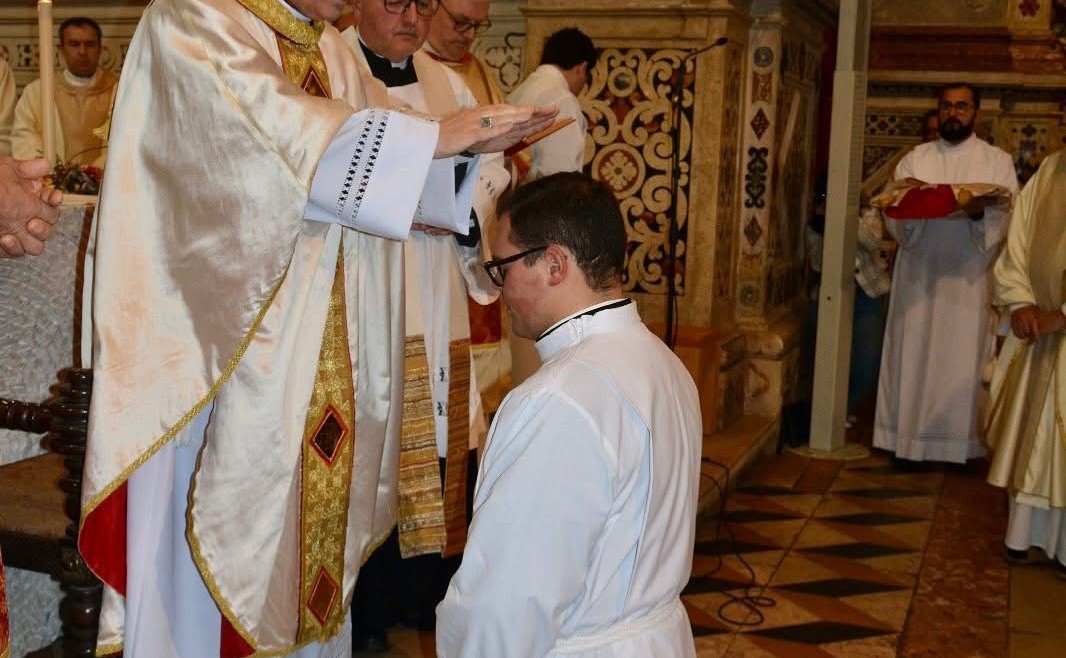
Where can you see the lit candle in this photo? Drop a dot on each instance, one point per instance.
(48, 96)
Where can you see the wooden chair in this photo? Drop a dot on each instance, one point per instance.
(40, 506)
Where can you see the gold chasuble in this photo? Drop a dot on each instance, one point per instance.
(217, 306)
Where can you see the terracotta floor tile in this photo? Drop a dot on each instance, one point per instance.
(714, 646)
(1025, 645)
(1031, 590)
(764, 647)
(882, 646)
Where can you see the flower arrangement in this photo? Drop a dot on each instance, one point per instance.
(76, 179)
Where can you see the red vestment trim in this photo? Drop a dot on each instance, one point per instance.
(232, 645)
(102, 540)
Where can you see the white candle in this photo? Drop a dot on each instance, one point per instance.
(48, 95)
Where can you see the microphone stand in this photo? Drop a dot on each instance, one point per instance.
(672, 231)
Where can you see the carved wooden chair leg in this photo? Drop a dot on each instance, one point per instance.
(79, 610)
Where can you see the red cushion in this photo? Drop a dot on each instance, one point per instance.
(926, 202)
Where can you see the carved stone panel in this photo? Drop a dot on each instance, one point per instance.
(629, 148)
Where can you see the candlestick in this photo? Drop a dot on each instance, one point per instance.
(48, 93)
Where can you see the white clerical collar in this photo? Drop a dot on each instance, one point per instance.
(554, 72)
(596, 318)
(77, 80)
(395, 65)
(292, 10)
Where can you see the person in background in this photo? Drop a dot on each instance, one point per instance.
(442, 418)
(565, 68)
(939, 333)
(84, 94)
(452, 32)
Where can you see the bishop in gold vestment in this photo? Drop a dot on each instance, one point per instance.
(247, 331)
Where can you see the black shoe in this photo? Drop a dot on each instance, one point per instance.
(901, 465)
(370, 642)
(1016, 556)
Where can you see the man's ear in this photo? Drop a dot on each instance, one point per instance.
(558, 264)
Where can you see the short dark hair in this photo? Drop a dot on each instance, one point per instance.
(567, 48)
(931, 114)
(575, 211)
(81, 21)
(976, 93)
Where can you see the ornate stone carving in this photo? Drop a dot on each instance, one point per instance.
(629, 148)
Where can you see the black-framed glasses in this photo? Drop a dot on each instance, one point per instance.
(962, 107)
(494, 268)
(424, 7)
(462, 25)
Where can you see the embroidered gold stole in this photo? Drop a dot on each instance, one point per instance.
(328, 446)
(431, 518)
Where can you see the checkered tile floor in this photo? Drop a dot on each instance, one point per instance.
(822, 559)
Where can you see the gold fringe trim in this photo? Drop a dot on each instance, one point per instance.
(106, 650)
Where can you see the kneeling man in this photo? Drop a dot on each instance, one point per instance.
(585, 507)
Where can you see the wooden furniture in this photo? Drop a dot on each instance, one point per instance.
(40, 506)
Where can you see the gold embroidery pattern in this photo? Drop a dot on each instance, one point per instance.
(455, 492)
(281, 20)
(420, 509)
(305, 66)
(326, 473)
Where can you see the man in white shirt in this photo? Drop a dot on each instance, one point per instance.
(84, 94)
(585, 507)
(938, 337)
(564, 70)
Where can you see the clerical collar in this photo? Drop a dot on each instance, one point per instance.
(295, 12)
(76, 80)
(591, 310)
(393, 74)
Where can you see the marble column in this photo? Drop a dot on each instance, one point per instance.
(780, 122)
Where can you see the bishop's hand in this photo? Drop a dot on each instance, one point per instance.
(491, 128)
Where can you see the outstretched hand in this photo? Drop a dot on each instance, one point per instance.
(28, 210)
(491, 128)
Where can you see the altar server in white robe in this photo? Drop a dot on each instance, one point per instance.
(585, 508)
(443, 418)
(1028, 392)
(246, 327)
(938, 336)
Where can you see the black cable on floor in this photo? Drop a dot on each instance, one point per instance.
(748, 602)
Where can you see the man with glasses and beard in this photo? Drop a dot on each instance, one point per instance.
(938, 336)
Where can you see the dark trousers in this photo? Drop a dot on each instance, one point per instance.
(391, 590)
